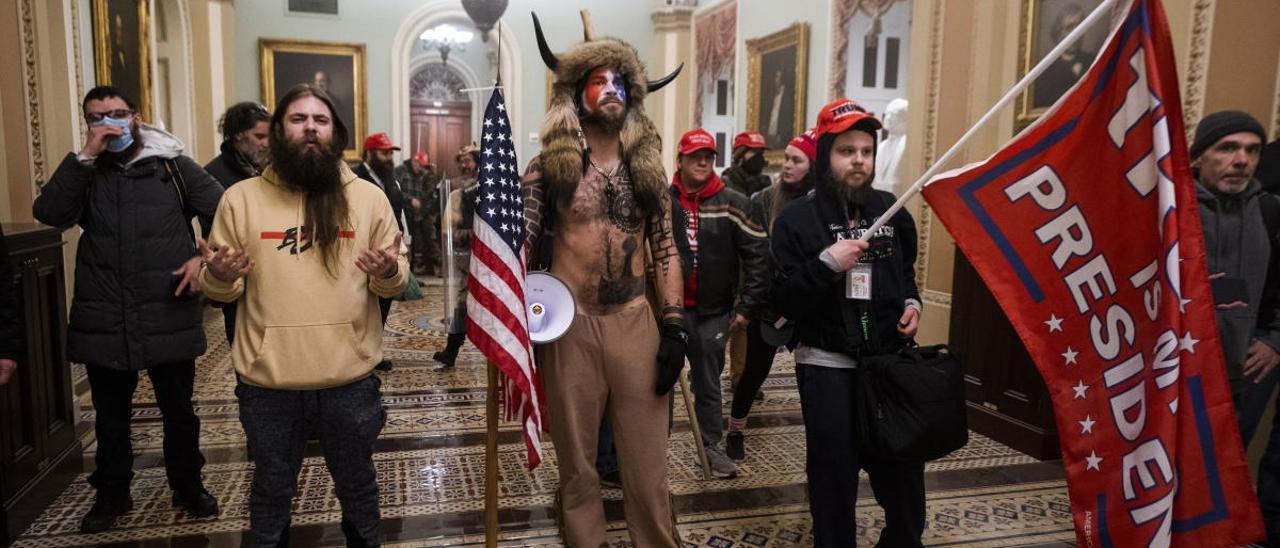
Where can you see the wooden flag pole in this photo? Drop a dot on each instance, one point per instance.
(693, 425)
(491, 461)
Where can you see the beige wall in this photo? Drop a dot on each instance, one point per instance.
(965, 53)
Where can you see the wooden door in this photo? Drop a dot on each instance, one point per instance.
(440, 129)
(1007, 398)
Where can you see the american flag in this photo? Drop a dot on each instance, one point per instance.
(496, 321)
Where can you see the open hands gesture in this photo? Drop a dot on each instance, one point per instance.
(381, 262)
(226, 264)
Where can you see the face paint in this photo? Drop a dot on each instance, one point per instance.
(604, 85)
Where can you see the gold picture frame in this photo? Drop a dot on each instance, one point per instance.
(778, 117)
(117, 61)
(1040, 21)
(338, 66)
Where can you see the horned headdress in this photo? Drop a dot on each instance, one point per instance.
(562, 144)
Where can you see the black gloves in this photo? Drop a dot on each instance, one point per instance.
(671, 350)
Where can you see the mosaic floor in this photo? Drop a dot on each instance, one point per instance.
(430, 462)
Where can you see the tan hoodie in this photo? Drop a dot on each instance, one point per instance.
(298, 327)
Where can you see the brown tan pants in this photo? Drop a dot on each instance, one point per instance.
(737, 354)
(604, 366)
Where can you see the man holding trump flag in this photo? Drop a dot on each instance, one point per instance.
(1100, 267)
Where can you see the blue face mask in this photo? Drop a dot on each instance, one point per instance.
(118, 144)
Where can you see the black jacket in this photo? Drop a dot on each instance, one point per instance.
(124, 314)
(10, 325)
(392, 190)
(731, 250)
(230, 167)
(737, 179)
(810, 293)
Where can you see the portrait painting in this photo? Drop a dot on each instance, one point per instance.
(337, 68)
(121, 44)
(1044, 24)
(777, 73)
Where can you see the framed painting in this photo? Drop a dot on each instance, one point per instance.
(121, 49)
(1044, 24)
(336, 67)
(777, 77)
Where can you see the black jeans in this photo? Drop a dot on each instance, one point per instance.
(112, 392)
(347, 419)
(758, 364)
(832, 464)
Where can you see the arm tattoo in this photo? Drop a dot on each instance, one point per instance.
(534, 208)
(659, 232)
(666, 258)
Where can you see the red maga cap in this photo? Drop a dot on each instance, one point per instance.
(421, 158)
(695, 140)
(379, 141)
(838, 116)
(749, 139)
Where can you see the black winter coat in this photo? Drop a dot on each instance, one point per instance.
(731, 254)
(124, 314)
(230, 167)
(808, 292)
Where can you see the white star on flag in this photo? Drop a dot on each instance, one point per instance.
(1086, 425)
(1080, 389)
(1054, 323)
(1093, 461)
(1188, 343)
(1070, 356)
(488, 122)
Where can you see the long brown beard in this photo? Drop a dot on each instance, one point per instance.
(318, 175)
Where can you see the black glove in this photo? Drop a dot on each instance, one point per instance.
(671, 350)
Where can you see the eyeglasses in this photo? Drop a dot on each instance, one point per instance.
(117, 114)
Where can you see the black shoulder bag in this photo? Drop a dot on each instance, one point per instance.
(909, 405)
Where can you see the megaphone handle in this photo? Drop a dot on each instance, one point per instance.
(693, 423)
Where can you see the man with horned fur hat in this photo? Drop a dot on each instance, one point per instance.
(601, 197)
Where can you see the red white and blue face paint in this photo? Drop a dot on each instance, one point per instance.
(604, 86)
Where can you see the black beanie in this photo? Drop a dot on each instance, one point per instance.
(1221, 124)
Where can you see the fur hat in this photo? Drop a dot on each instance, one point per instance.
(562, 145)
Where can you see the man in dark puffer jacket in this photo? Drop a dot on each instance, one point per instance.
(135, 305)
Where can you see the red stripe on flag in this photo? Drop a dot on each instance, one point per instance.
(481, 250)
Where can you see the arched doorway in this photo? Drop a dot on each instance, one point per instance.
(439, 116)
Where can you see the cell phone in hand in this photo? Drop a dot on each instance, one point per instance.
(1229, 290)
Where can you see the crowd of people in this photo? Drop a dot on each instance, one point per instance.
(303, 254)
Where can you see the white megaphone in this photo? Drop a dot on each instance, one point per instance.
(549, 306)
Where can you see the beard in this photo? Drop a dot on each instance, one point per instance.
(845, 190)
(318, 175)
(309, 170)
(606, 120)
(384, 170)
(256, 156)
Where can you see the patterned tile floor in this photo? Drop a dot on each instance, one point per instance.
(430, 462)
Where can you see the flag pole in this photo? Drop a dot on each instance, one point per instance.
(491, 460)
(1012, 94)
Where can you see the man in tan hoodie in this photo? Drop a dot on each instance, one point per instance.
(303, 252)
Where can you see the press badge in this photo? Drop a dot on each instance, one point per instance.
(858, 282)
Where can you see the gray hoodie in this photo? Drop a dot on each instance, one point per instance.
(1236, 242)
